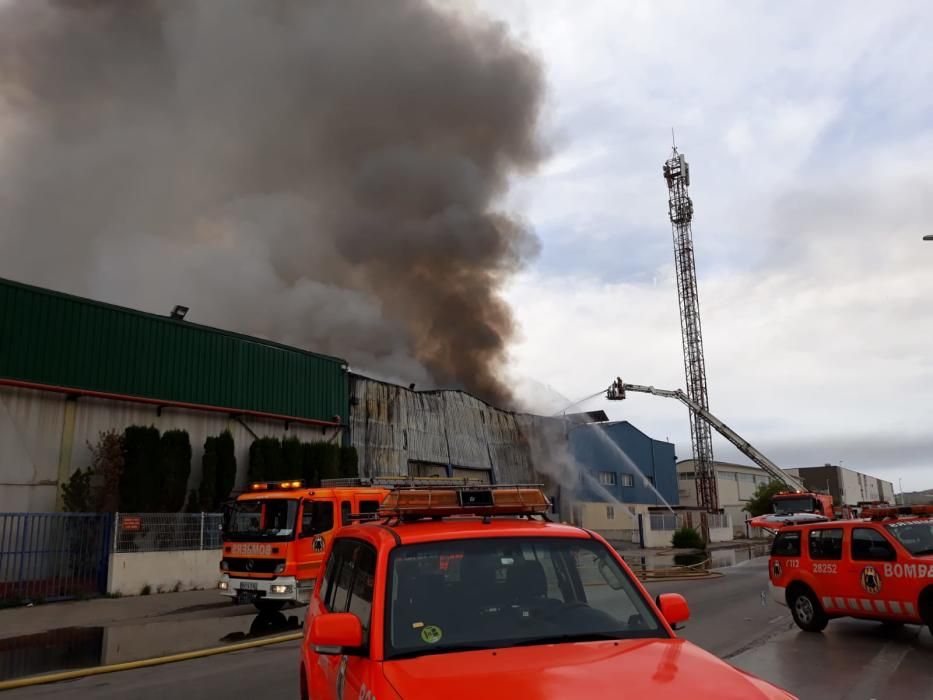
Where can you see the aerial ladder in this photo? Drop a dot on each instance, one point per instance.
(813, 506)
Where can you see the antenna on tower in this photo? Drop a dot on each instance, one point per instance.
(680, 211)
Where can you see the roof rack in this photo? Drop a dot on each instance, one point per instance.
(894, 512)
(405, 482)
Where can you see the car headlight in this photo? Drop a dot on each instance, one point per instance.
(279, 568)
(281, 589)
(223, 585)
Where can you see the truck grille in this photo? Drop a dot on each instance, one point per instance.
(252, 566)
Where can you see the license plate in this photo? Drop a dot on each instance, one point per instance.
(248, 586)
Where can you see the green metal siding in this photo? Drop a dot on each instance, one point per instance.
(56, 339)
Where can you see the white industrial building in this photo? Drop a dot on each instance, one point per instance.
(736, 484)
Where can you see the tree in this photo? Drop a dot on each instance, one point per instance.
(174, 470)
(760, 503)
(308, 465)
(226, 468)
(291, 459)
(218, 471)
(107, 462)
(140, 484)
(76, 492)
(207, 492)
(265, 459)
(193, 504)
(348, 462)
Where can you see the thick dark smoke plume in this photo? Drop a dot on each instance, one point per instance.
(325, 173)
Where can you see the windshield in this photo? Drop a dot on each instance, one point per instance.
(786, 506)
(268, 519)
(915, 535)
(493, 593)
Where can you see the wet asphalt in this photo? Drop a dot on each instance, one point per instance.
(732, 617)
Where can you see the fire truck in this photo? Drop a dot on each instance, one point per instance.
(275, 534)
(796, 504)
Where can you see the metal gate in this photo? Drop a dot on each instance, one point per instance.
(52, 556)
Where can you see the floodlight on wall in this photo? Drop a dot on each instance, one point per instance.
(179, 312)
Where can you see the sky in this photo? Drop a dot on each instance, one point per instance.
(808, 128)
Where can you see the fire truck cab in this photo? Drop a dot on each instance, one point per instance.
(877, 568)
(275, 534)
(461, 593)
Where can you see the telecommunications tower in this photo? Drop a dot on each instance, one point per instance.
(680, 210)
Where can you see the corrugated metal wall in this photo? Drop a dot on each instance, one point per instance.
(57, 339)
(391, 425)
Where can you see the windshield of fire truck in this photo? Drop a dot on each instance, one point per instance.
(787, 506)
(915, 535)
(268, 519)
(504, 592)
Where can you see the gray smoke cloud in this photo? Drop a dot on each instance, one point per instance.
(325, 173)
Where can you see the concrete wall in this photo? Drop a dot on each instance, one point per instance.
(720, 534)
(163, 571)
(44, 439)
(607, 516)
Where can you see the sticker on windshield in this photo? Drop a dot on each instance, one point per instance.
(431, 634)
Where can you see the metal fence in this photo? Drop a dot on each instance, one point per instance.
(718, 520)
(53, 556)
(664, 521)
(166, 532)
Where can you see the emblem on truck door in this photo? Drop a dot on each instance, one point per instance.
(870, 580)
(317, 544)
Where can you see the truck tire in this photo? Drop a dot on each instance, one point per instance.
(303, 687)
(806, 609)
(926, 607)
(267, 606)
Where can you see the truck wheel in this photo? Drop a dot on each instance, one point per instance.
(303, 680)
(268, 606)
(926, 607)
(806, 610)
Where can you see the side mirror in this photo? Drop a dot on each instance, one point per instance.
(674, 608)
(336, 634)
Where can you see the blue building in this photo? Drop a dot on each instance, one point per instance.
(618, 459)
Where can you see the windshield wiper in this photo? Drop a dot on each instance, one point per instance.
(566, 638)
(449, 649)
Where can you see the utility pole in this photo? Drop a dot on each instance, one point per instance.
(680, 211)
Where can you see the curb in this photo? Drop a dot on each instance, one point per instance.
(656, 579)
(144, 663)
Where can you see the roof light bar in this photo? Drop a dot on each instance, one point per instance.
(488, 500)
(883, 512)
(277, 485)
(403, 481)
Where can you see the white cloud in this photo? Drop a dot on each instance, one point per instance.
(808, 132)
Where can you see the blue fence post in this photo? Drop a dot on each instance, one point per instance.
(104, 543)
(20, 578)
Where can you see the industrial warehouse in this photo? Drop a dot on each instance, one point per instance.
(72, 368)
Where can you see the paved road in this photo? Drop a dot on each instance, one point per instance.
(731, 614)
(852, 660)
